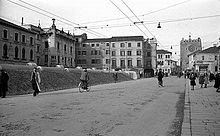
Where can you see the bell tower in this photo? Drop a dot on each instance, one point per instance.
(188, 46)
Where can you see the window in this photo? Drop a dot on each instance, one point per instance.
(5, 50)
(113, 53)
(58, 59)
(168, 62)
(16, 52)
(139, 63)
(16, 37)
(31, 41)
(138, 44)
(38, 37)
(107, 44)
(23, 53)
(138, 52)
(96, 61)
(84, 45)
(46, 58)
(216, 57)
(122, 63)
(113, 45)
(79, 53)
(148, 64)
(71, 50)
(129, 53)
(58, 46)
(46, 44)
(107, 61)
(65, 48)
(82, 61)
(65, 60)
(93, 45)
(129, 44)
(203, 57)
(5, 34)
(122, 53)
(114, 63)
(107, 52)
(38, 48)
(71, 61)
(31, 55)
(83, 52)
(129, 63)
(148, 54)
(122, 45)
(23, 39)
(159, 56)
(97, 45)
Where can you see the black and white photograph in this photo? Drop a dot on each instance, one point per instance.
(109, 67)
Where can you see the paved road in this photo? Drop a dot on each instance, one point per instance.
(202, 111)
(132, 108)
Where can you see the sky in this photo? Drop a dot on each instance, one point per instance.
(107, 18)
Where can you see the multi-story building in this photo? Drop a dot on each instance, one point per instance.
(187, 47)
(17, 44)
(164, 61)
(205, 60)
(58, 47)
(123, 52)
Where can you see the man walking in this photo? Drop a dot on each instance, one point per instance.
(160, 78)
(3, 82)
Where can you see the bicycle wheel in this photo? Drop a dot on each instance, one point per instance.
(88, 88)
(80, 87)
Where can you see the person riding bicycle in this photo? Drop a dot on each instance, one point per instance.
(84, 78)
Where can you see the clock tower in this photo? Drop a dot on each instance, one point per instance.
(188, 46)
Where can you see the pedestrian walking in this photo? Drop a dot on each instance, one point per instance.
(206, 80)
(35, 80)
(160, 76)
(217, 82)
(3, 82)
(211, 77)
(84, 78)
(192, 81)
(115, 76)
(201, 80)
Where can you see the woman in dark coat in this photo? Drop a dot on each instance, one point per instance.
(201, 80)
(192, 81)
(3, 83)
(217, 82)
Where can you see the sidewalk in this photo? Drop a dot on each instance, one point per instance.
(201, 111)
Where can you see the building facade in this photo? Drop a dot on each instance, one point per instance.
(123, 52)
(187, 47)
(17, 44)
(164, 61)
(205, 60)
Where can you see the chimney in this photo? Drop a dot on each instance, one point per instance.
(22, 21)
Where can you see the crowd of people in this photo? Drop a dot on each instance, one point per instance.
(204, 79)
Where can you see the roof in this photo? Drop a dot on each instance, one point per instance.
(163, 52)
(213, 49)
(117, 39)
(9, 24)
(127, 38)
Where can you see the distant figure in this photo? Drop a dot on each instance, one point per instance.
(217, 81)
(206, 80)
(201, 80)
(115, 76)
(35, 80)
(85, 78)
(211, 77)
(160, 78)
(3, 82)
(192, 80)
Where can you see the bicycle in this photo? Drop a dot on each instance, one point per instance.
(84, 87)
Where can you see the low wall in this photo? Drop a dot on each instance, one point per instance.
(53, 79)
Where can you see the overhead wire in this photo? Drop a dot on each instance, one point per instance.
(92, 31)
(128, 17)
(155, 11)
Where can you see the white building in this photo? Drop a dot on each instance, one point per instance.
(205, 60)
(164, 61)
